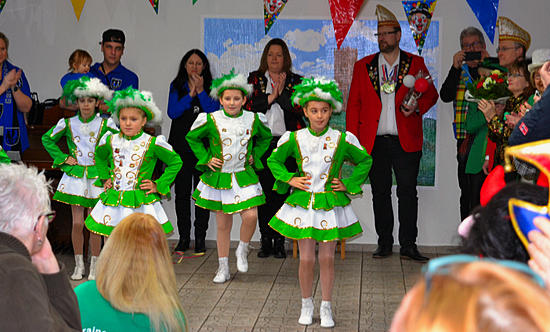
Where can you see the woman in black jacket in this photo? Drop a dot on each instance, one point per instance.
(273, 84)
(189, 95)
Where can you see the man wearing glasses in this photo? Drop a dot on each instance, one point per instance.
(391, 132)
(463, 71)
(513, 42)
(36, 292)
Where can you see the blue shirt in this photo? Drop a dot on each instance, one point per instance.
(118, 79)
(13, 134)
(69, 77)
(177, 106)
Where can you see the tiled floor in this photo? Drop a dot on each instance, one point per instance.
(366, 292)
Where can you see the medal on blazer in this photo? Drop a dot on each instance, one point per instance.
(389, 79)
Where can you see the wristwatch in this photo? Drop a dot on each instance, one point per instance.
(15, 88)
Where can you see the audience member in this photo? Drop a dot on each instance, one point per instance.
(14, 101)
(136, 286)
(513, 42)
(466, 294)
(273, 84)
(453, 89)
(391, 131)
(36, 293)
(189, 96)
(492, 233)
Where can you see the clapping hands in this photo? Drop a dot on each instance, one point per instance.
(196, 84)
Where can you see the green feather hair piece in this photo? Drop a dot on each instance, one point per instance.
(230, 81)
(318, 89)
(131, 97)
(86, 87)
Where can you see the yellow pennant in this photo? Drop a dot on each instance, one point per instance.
(78, 5)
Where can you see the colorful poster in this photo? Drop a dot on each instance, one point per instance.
(155, 4)
(487, 13)
(343, 14)
(239, 42)
(419, 14)
(272, 9)
(78, 5)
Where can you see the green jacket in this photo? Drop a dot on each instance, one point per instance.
(476, 125)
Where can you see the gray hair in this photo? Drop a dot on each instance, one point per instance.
(472, 31)
(24, 195)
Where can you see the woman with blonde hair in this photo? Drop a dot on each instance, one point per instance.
(135, 289)
(465, 293)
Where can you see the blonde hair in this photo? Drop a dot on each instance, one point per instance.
(474, 297)
(135, 273)
(78, 57)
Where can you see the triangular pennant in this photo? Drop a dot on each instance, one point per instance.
(195, 1)
(155, 4)
(419, 14)
(272, 9)
(78, 5)
(486, 12)
(2, 4)
(343, 14)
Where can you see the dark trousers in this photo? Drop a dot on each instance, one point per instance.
(186, 181)
(387, 154)
(469, 184)
(274, 201)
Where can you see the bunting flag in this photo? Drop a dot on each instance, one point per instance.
(343, 14)
(2, 4)
(78, 5)
(419, 15)
(155, 4)
(272, 9)
(487, 13)
(195, 1)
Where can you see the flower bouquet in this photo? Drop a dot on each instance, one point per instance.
(493, 87)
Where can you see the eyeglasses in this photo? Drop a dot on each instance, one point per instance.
(472, 45)
(50, 216)
(442, 266)
(384, 34)
(504, 49)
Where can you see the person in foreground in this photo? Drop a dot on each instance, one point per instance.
(465, 293)
(318, 209)
(135, 289)
(36, 293)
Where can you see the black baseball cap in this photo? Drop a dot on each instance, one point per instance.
(113, 35)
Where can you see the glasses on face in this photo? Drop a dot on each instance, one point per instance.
(384, 34)
(50, 216)
(504, 49)
(473, 45)
(443, 265)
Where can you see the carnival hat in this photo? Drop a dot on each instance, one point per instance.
(230, 81)
(86, 87)
(131, 97)
(386, 17)
(540, 56)
(508, 30)
(319, 89)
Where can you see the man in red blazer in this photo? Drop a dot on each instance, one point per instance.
(391, 132)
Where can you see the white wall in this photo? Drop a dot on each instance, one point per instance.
(43, 33)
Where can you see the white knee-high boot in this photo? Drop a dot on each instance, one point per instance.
(306, 315)
(93, 262)
(326, 314)
(222, 275)
(242, 256)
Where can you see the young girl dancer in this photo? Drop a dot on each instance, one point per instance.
(318, 209)
(229, 183)
(125, 163)
(76, 187)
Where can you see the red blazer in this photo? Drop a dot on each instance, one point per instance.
(364, 105)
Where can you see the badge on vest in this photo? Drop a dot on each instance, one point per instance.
(116, 83)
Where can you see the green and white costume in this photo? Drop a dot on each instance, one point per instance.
(319, 213)
(77, 184)
(4, 159)
(127, 161)
(235, 186)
